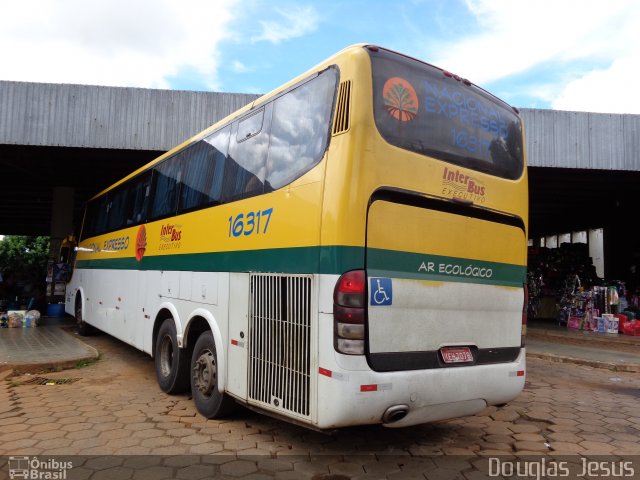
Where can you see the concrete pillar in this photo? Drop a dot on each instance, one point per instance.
(61, 225)
(621, 243)
(62, 212)
(596, 250)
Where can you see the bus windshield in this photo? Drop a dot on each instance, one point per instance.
(420, 108)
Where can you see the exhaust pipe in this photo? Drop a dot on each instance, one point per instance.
(395, 413)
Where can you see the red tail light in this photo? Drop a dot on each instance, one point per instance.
(350, 289)
(349, 314)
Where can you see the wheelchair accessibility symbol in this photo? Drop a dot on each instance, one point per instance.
(381, 291)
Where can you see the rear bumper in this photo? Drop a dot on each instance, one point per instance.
(361, 396)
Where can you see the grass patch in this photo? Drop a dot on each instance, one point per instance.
(87, 361)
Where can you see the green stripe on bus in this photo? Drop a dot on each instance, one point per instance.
(417, 266)
(328, 260)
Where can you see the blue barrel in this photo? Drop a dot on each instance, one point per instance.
(55, 310)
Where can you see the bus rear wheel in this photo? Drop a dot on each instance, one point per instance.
(210, 402)
(171, 362)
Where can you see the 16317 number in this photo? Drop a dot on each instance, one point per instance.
(252, 223)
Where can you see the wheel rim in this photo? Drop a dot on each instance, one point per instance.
(205, 373)
(166, 356)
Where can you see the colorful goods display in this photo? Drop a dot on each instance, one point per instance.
(19, 319)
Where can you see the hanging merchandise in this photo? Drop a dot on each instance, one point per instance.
(613, 297)
(563, 285)
(579, 310)
(554, 277)
(599, 309)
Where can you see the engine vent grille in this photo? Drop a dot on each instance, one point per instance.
(341, 121)
(279, 342)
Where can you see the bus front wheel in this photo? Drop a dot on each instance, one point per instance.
(172, 362)
(83, 327)
(210, 402)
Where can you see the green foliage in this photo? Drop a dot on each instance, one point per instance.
(24, 254)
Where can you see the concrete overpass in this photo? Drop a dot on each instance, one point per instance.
(60, 144)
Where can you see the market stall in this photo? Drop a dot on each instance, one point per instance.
(563, 286)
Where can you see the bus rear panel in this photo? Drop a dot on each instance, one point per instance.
(430, 325)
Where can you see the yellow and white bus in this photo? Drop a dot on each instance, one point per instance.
(348, 249)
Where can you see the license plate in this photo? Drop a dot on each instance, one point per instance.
(456, 354)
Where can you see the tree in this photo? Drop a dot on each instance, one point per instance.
(24, 256)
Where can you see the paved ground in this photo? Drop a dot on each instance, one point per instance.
(28, 348)
(619, 359)
(115, 407)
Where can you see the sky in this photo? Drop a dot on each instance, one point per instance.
(574, 55)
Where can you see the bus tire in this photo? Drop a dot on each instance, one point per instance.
(171, 362)
(83, 328)
(210, 402)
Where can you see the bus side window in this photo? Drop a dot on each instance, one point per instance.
(204, 167)
(96, 216)
(245, 169)
(138, 198)
(166, 183)
(300, 129)
(219, 143)
(195, 164)
(117, 206)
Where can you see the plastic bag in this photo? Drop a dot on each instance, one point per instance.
(15, 320)
(32, 318)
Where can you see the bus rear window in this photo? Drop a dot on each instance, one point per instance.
(419, 108)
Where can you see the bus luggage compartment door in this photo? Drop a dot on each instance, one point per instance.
(444, 289)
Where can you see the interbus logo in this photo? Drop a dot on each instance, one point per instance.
(460, 185)
(170, 236)
(170, 232)
(400, 99)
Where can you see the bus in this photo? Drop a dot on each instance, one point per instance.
(348, 249)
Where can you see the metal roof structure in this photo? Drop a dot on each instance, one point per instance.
(84, 116)
(582, 140)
